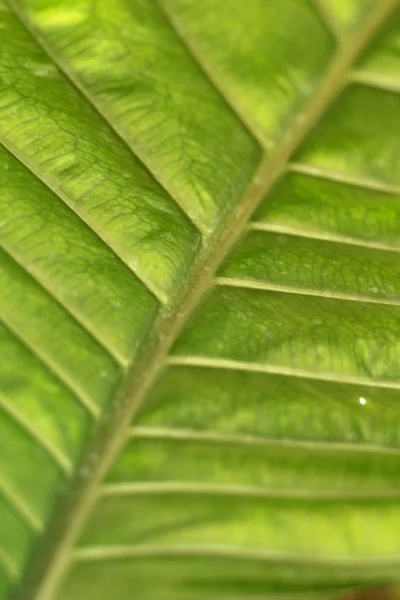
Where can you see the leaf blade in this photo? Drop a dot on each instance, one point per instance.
(229, 230)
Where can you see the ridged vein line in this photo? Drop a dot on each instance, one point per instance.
(345, 178)
(17, 503)
(322, 236)
(226, 98)
(375, 80)
(53, 367)
(8, 565)
(82, 322)
(62, 461)
(232, 101)
(215, 437)
(185, 488)
(106, 444)
(252, 367)
(94, 553)
(326, 15)
(265, 286)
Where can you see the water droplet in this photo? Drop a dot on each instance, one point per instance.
(362, 401)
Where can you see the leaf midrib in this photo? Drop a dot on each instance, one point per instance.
(41, 580)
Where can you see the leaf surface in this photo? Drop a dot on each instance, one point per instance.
(199, 299)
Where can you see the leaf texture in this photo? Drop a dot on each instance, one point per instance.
(199, 299)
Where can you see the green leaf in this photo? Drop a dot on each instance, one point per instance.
(199, 299)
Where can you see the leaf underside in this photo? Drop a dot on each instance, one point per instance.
(199, 298)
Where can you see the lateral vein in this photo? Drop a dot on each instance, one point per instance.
(323, 236)
(94, 553)
(17, 503)
(62, 460)
(215, 437)
(58, 372)
(374, 80)
(74, 314)
(266, 286)
(185, 488)
(250, 367)
(230, 102)
(345, 178)
(333, 26)
(9, 567)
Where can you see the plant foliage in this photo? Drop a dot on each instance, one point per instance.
(199, 298)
